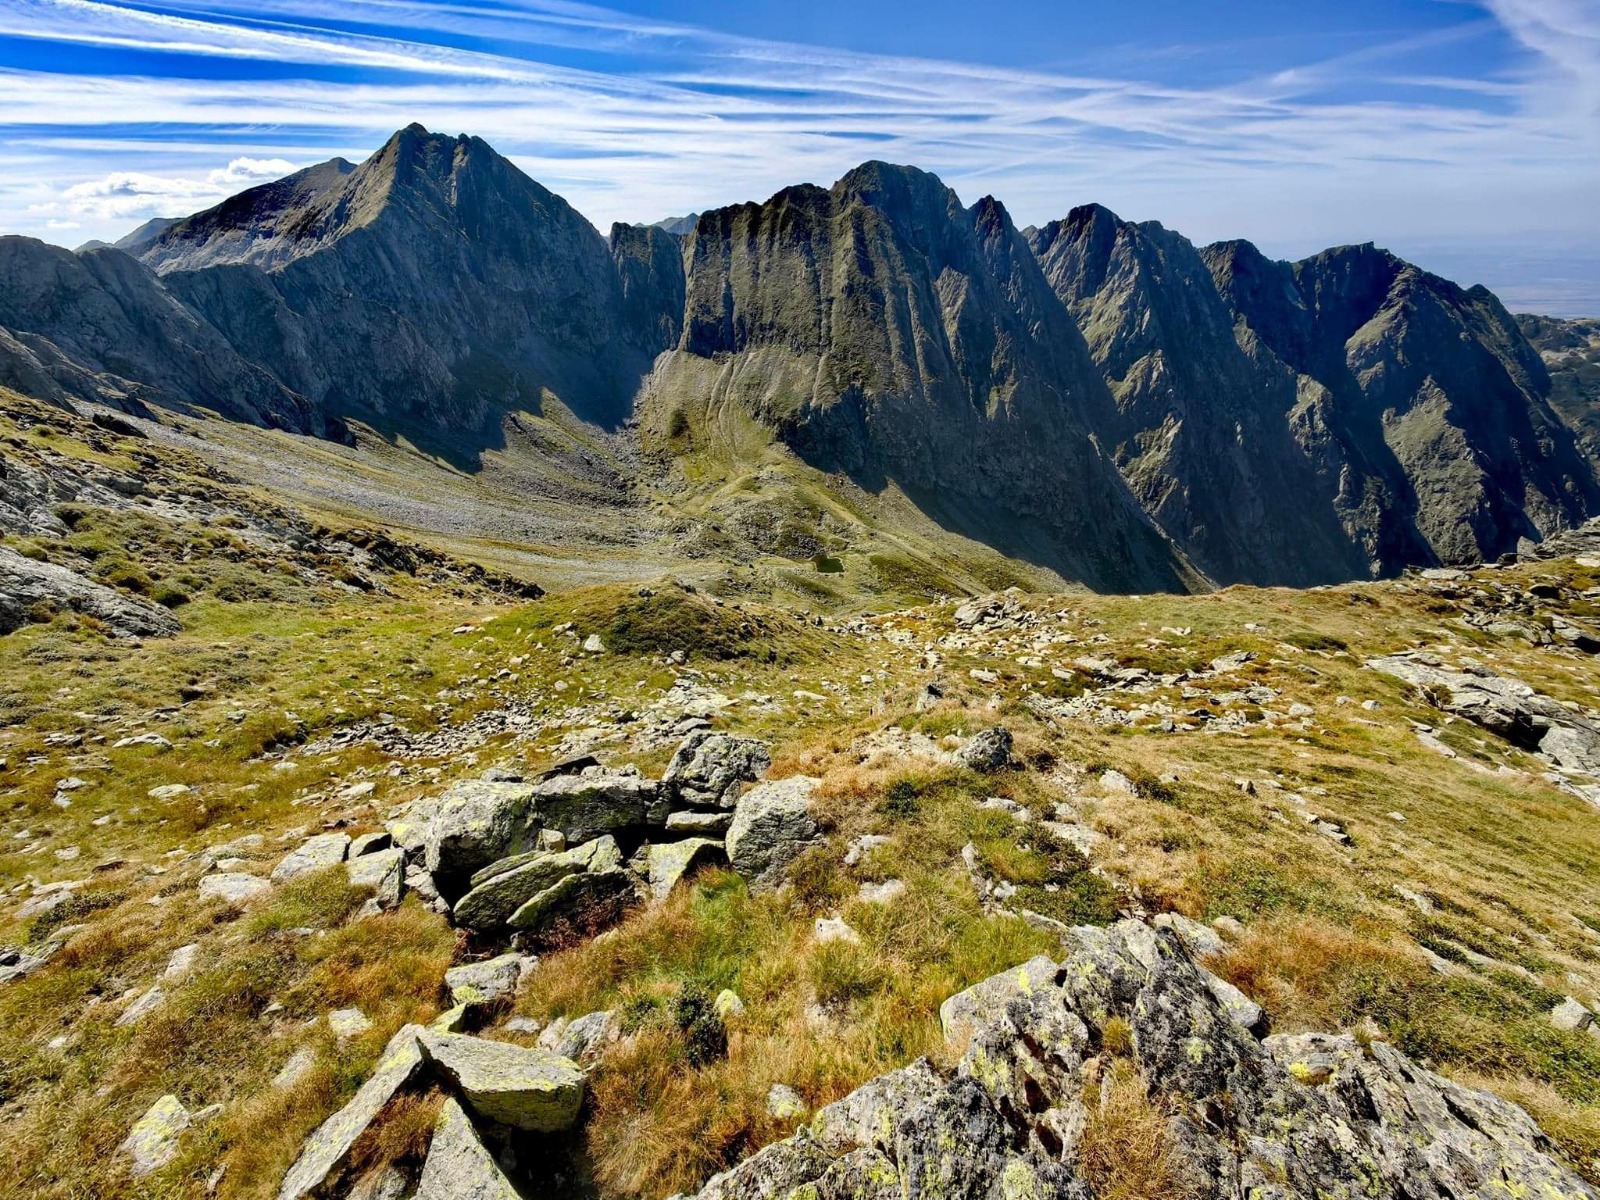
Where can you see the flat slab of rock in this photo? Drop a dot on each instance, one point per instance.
(585, 806)
(671, 861)
(572, 895)
(526, 1089)
(314, 854)
(232, 887)
(459, 1165)
(981, 1004)
(491, 902)
(327, 1150)
(709, 768)
(26, 584)
(383, 872)
(694, 823)
(153, 1141)
(772, 825)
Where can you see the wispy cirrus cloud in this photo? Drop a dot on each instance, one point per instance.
(635, 118)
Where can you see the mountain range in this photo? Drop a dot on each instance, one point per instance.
(1099, 396)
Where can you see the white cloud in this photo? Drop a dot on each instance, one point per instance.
(696, 118)
(126, 195)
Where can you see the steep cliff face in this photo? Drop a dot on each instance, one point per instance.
(434, 284)
(1571, 354)
(885, 330)
(99, 326)
(649, 262)
(1423, 399)
(1202, 428)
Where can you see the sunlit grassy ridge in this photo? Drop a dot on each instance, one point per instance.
(278, 653)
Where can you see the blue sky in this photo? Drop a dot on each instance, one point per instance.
(1462, 133)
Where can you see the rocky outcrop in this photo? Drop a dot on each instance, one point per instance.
(35, 591)
(883, 329)
(1571, 354)
(1291, 1116)
(709, 767)
(1566, 740)
(99, 326)
(1420, 402)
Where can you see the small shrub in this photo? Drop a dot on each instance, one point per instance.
(169, 595)
(901, 799)
(705, 1038)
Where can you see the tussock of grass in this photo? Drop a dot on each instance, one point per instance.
(1127, 1152)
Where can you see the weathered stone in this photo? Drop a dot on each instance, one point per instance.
(582, 1039)
(326, 1151)
(232, 887)
(1200, 940)
(383, 872)
(370, 843)
(596, 802)
(952, 1144)
(295, 1069)
(692, 823)
(859, 1175)
(772, 824)
(487, 982)
(671, 861)
(474, 823)
(784, 1103)
(727, 1005)
(523, 1088)
(871, 1115)
(573, 896)
(348, 1023)
(459, 1166)
(314, 854)
(180, 963)
(26, 586)
(1240, 1007)
(152, 1143)
(492, 902)
(987, 751)
(962, 1014)
(1571, 1015)
(770, 1173)
(708, 768)
(141, 1008)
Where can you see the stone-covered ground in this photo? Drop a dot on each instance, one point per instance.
(228, 889)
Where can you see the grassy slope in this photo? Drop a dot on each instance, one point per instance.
(1508, 861)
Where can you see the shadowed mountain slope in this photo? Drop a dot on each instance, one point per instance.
(883, 329)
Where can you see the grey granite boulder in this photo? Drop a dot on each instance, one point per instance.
(500, 889)
(772, 825)
(709, 768)
(597, 801)
(526, 1089)
(474, 823)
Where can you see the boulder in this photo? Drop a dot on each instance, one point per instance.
(152, 1143)
(231, 887)
(487, 982)
(576, 896)
(870, 1115)
(498, 893)
(987, 751)
(516, 1086)
(585, 806)
(459, 1166)
(709, 768)
(474, 823)
(785, 1104)
(383, 872)
(327, 1150)
(581, 1039)
(671, 861)
(1571, 1015)
(772, 825)
(1200, 940)
(28, 587)
(370, 843)
(964, 1013)
(314, 854)
(694, 823)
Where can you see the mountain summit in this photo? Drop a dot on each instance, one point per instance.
(1096, 398)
